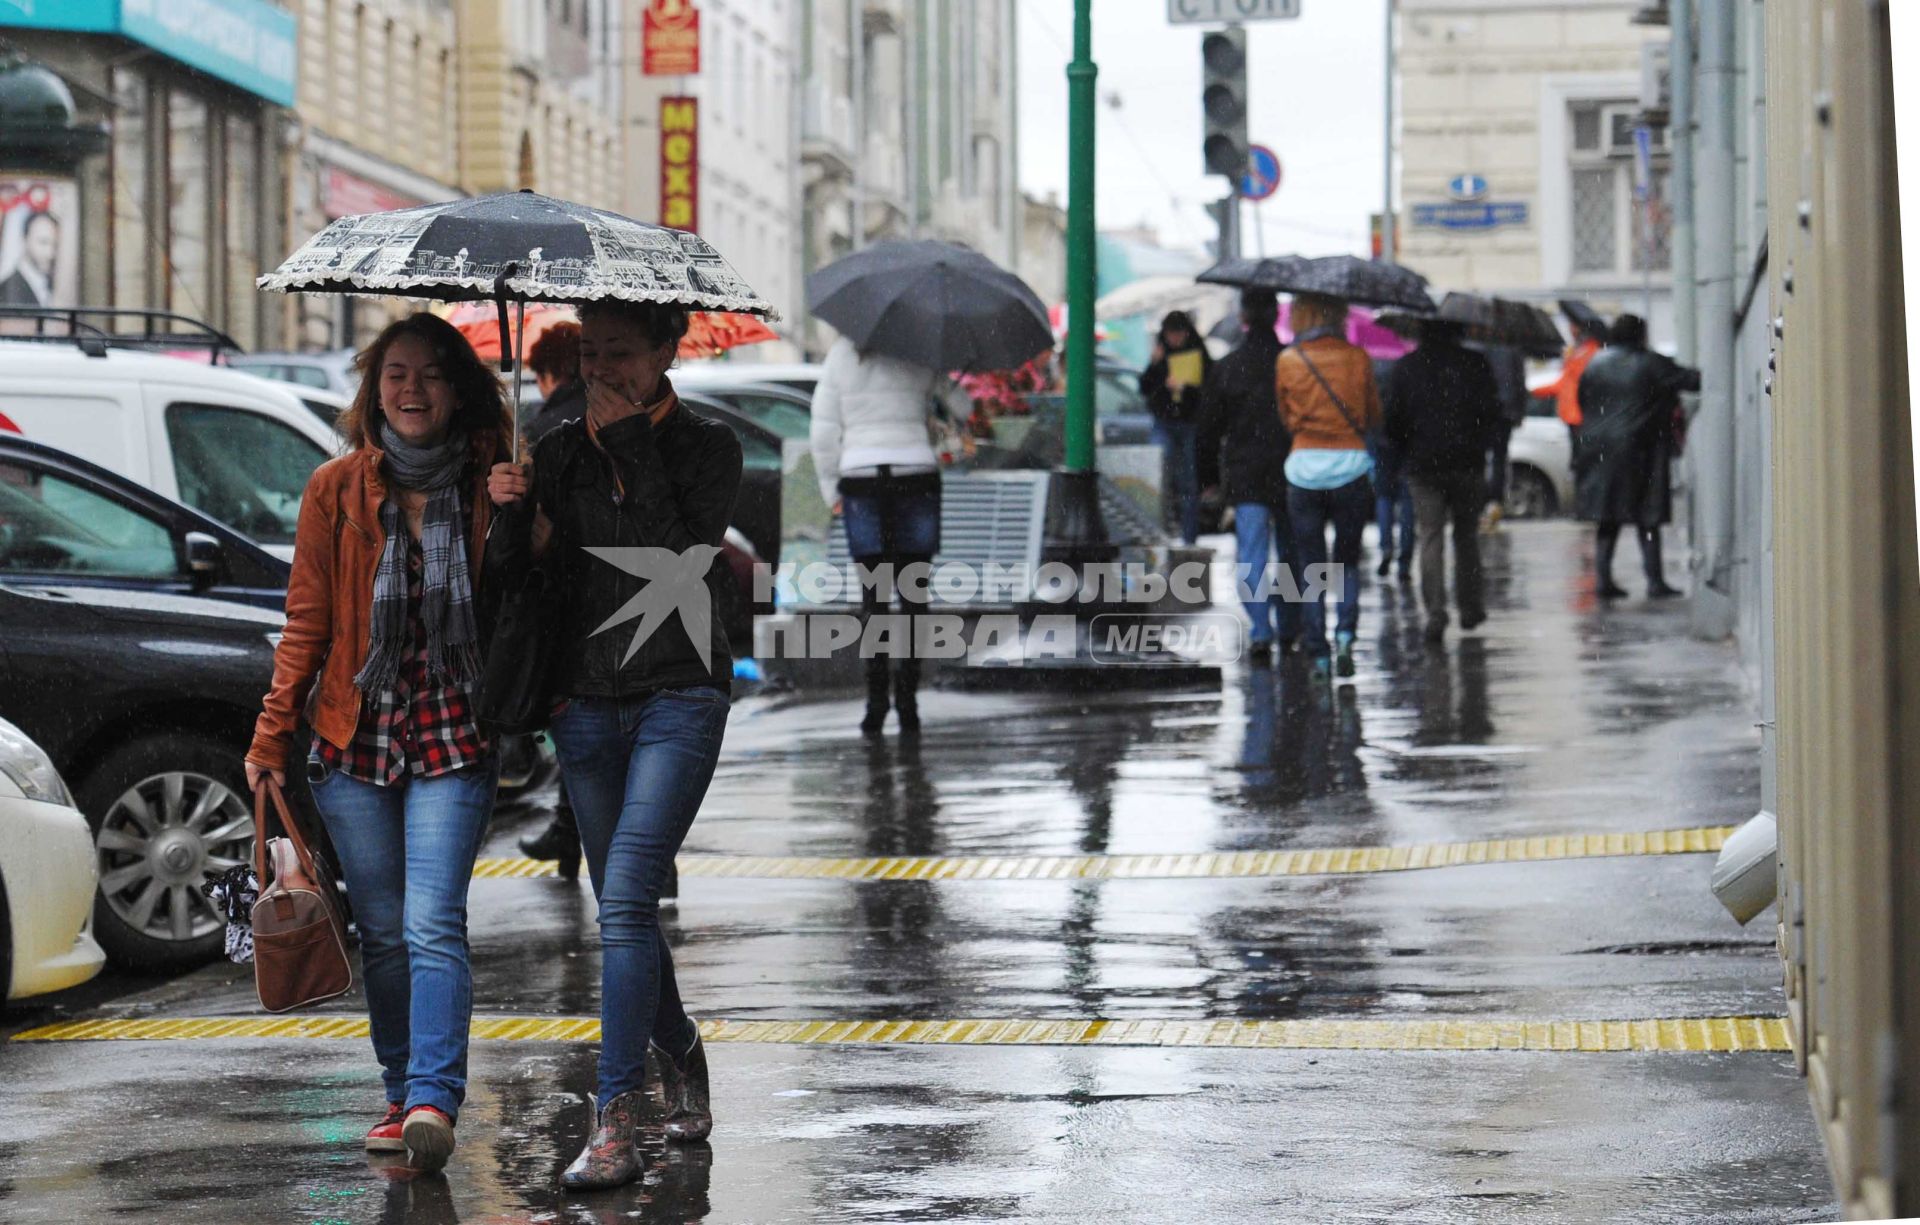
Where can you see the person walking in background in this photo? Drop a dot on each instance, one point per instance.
(1510, 391)
(1629, 405)
(555, 362)
(1392, 498)
(1330, 405)
(640, 717)
(384, 619)
(1442, 412)
(872, 450)
(1174, 385)
(1240, 425)
(1589, 335)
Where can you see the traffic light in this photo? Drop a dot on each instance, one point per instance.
(1223, 55)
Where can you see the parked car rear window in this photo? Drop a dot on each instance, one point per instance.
(49, 525)
(244, 469)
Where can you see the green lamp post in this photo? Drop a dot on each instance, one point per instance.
(1076, 531)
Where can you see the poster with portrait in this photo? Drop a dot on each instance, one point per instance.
(39, 241)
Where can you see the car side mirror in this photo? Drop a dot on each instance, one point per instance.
(205, 556)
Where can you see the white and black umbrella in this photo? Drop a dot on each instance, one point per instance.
(515, 246)
(1369, 282)
(935, 304)
(519, 246)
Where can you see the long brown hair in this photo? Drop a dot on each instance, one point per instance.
(479, 405)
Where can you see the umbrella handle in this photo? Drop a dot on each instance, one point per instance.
(500, 301)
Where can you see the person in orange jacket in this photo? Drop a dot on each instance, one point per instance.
(1565, 390)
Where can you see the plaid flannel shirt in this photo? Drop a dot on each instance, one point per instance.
(419, 726)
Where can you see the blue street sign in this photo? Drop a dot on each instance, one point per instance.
(1263, 173)
(1465, 187)
(1470, 216)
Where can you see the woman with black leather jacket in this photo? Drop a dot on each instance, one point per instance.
(628, 509)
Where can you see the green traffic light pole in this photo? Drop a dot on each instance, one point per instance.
(1076, 532)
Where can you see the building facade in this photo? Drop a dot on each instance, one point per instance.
(908, 127)
(176, 205)
(745, 189)
(1518, 172)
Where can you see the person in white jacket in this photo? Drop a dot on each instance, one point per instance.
(873, 451)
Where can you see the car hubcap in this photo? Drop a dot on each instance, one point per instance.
(162, 839)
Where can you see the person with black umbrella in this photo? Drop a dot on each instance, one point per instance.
(874, 456)
(1331, 407)
(1442, 412)
(1240, 424)
(1629, 402)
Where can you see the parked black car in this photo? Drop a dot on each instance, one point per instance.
(67, 521)
(145, 700)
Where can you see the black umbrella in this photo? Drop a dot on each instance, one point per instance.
(1587, 319)
(1254, 273)
(935, 304)
(1366, 281)
(1493, 321)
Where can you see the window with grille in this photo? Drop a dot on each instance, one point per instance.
(1611, 229)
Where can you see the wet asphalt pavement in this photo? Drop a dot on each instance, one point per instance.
(1557, 717)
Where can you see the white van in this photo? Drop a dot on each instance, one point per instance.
(230, 445)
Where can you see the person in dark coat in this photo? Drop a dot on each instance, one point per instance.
(1629, 401)
(1510, 387)
(555, 362)
(1392, 498)
(1240, 427)
(1442, 409)
(1173, 385)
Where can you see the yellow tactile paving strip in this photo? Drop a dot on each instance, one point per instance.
(1330, 861)
(1681, 1035)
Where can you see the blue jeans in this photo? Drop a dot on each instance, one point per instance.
(1393, 495)
(1347, 509)
(1262, 533)
(407, 853)
(637, 770)
(1180, 440)
(891, 515)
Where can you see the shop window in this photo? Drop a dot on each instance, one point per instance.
(189, 164)
(132, 238)
(243, 229)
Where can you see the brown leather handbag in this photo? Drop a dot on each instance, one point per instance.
(299, 935)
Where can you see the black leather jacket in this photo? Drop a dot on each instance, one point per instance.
(679, 480)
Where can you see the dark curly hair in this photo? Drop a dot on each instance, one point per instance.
(480, 407)
(661, 323)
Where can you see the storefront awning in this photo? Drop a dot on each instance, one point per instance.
(248, 43)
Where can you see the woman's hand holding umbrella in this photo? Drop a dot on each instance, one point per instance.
(507, 485)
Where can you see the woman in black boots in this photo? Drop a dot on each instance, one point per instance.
(874, 454)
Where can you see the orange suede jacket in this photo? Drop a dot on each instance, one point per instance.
(1309, 414)
(336, 550)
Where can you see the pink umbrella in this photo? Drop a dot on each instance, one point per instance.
(1381, 343)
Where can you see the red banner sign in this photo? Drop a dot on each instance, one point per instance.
(670, 39)
(680, 162)
(348, 195)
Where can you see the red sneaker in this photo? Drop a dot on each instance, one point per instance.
(428, 1134)
(385, 1136)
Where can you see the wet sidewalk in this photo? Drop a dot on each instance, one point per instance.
(1075, 958)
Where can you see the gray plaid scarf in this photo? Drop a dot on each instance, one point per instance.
(446, 599)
